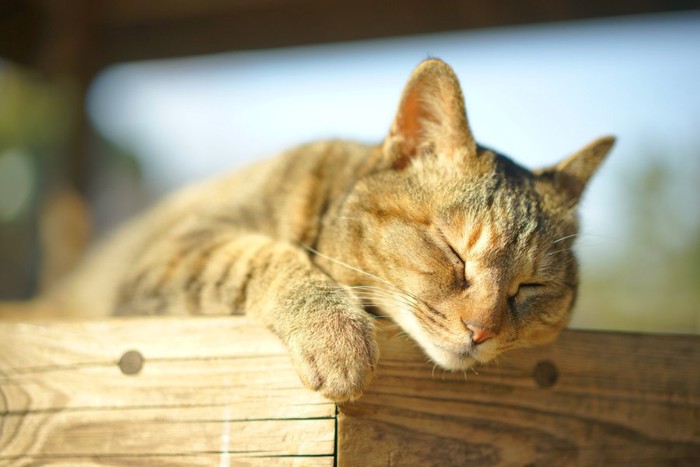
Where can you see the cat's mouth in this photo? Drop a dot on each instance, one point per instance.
(450, 359)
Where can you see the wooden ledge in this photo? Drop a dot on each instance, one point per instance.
(222, 391)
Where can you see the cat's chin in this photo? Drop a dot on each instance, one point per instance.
(448, 360)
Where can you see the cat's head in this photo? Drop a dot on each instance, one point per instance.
(471, 253)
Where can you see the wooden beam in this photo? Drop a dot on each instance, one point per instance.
(592, 398)
(199, 391)
(137, 30)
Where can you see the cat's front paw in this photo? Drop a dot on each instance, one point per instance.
(336, 358)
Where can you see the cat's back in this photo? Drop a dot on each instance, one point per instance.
(281, 197)
(90, 289)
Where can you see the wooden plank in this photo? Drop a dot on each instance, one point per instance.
(261, 386)
(137, 30)
(222, 390)
(206, 389)
(590, 399)
(161, 432)
(99, 341)
(203, 460)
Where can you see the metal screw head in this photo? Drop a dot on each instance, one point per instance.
(545, 374)
(131, 362)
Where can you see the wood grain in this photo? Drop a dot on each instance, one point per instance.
(616, 399)
(222, 391)
(219, 391)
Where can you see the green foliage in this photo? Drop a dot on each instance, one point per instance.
(34, 113)
(654, 284)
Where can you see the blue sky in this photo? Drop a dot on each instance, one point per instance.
(536, 93)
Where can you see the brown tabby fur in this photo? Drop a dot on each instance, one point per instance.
(467, 251)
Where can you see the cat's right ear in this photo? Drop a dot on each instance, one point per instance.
(572, 174)
(431, 117)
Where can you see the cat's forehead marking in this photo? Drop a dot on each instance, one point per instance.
(482, 238)
(475, 236)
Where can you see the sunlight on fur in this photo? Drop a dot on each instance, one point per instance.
(468, 252)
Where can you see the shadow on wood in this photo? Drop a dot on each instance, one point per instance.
(591, 399)
(222, 391)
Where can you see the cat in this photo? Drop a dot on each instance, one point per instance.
(467, 251)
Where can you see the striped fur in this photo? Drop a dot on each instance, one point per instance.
(466, 250)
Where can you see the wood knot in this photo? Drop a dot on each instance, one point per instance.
(131, 362)
(545, 374)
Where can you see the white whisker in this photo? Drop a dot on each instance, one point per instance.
(318, 253)
(564, 238)
(353, 268)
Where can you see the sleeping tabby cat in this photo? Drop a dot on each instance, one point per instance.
(467, 251)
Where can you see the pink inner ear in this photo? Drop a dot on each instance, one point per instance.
(409, 128)
(431, 114)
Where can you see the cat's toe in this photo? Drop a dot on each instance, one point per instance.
(348, 382)
(340, 369)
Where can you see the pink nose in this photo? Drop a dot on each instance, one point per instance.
(480, 335)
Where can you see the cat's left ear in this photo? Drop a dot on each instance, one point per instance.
(573, 173)
(431, 117)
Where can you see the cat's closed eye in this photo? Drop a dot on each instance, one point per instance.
(455, 255)
(460, 266)
(526, 289)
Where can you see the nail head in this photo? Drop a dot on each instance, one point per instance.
(545, 374)
(131, 362)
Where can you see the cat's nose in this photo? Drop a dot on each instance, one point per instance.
(480, 335)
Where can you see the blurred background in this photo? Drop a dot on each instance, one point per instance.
(105, 106)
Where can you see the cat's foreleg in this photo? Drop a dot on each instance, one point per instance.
(329, 335)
